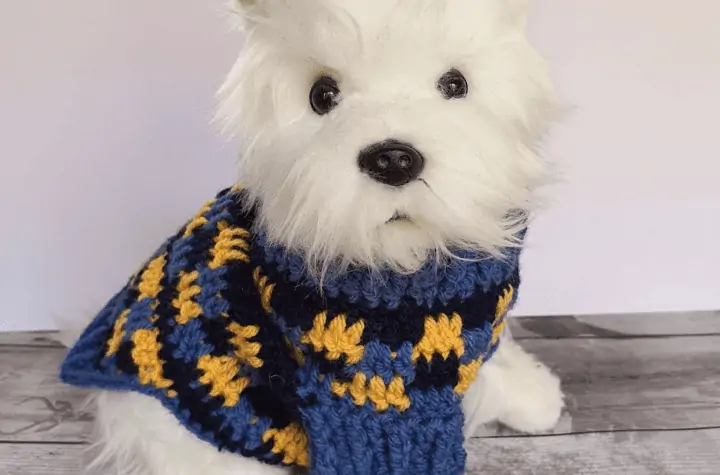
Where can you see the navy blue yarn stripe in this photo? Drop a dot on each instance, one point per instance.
(274, 397)
(433, 285)
(204, 409)
(299, 306)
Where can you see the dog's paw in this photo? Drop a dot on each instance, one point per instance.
(534, 400)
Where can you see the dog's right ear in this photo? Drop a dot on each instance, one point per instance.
(249, 11)
(245, 4)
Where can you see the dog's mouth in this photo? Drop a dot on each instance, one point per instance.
(399, 218)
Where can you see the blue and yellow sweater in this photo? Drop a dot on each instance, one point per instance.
(360, 375)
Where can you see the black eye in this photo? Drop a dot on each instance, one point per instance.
(452, 85)
(324, 95)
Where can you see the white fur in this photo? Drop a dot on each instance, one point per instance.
(481, 163)
(138, 436)
(387, 56)
(514, 389)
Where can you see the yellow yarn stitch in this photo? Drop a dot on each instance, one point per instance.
(336, 339)
(392, 395)
(146, 349)
(230, 244)
(500, 312)
(149, 286)
(467, 373)
(292, 441)
(264, 288)
(246, 350)
(199, 219)
(498, 328)
(187, 289)
(504, 302)
(113, 344)
(356, 388)
(219, 373)
(441, 336)
(376, 391)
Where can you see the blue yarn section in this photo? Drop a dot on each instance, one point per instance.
(477, 341)
(434, 284)
(189, 349)
(212, 282)
(377, 361)
(424, 440)
(181, 248)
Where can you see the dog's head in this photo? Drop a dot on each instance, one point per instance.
(381, 132)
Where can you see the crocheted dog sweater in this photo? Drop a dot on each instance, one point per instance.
(360, 374)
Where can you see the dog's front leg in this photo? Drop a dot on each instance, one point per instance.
(514, 388)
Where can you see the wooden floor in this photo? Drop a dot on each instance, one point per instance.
(643, 399)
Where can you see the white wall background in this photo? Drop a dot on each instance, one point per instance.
(104, 125)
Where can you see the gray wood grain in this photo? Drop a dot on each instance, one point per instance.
(622, 453)
(639, 383)
(611, 384)
(641, 401)
(30, 339)
(617, 326)
(577, 326)
(618, 376)
(34, 405)
(41, 459)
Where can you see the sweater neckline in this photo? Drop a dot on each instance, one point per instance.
(435, 284)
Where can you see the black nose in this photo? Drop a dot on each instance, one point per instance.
(391, 163)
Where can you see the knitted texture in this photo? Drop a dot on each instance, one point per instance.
(362, 375)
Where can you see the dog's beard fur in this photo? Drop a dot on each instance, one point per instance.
(301, 169)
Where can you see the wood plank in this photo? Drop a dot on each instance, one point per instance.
(664, 383)
(568, 326)
(627, 453)
(623, 453)
(617, 326)
(30, 339)
(42, 459)
(34, 405)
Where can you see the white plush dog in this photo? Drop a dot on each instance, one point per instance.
(449, 88)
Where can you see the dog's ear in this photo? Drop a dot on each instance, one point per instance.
(520, 10)
(249, 11)
(247, 4)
